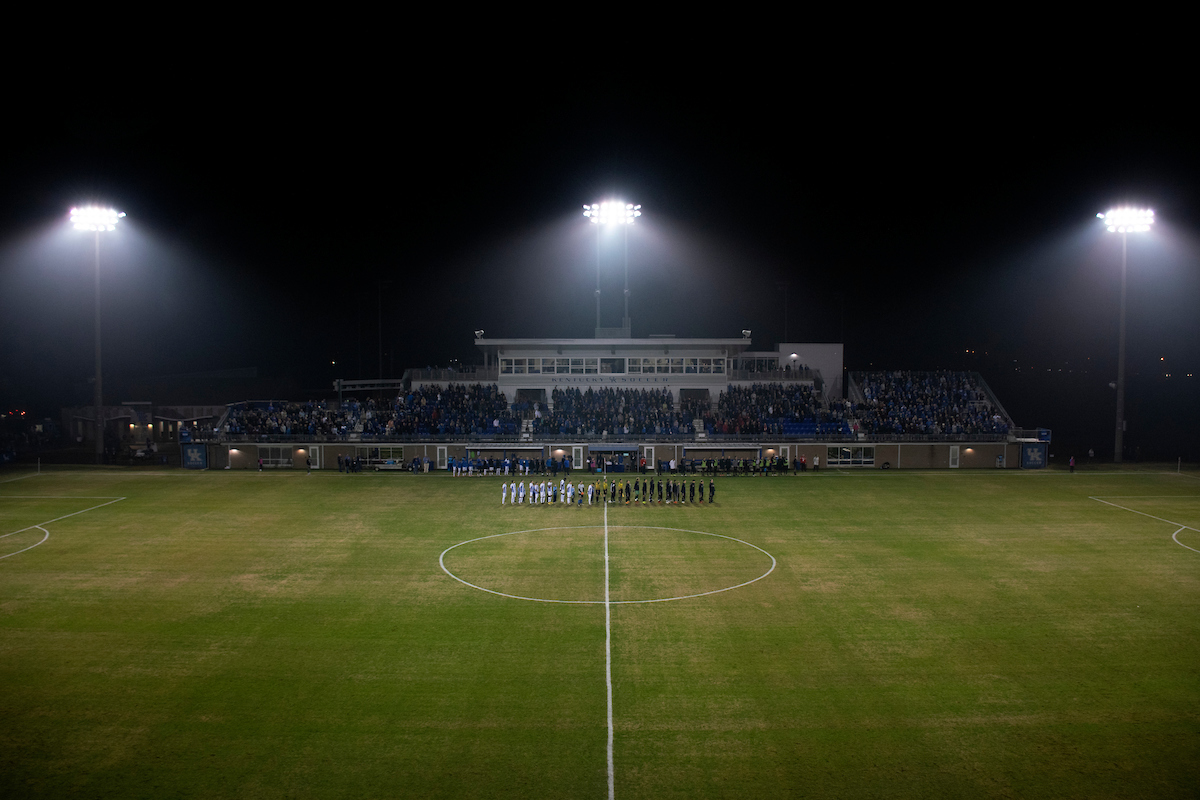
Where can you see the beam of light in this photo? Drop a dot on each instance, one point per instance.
(95, 218)
(612, 212)
(1128, 220)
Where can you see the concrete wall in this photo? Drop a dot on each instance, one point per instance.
(898, 456)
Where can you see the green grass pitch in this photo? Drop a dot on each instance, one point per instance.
(950, 634)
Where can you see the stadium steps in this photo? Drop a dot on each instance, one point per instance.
(854, 390)
(995, 401)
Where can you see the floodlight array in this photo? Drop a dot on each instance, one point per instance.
(612, 213)
(95, 218)
(1128, 220)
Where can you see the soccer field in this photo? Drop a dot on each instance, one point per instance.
(881, 633)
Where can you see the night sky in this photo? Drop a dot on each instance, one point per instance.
(925, 229)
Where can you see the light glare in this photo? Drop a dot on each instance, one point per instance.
(95, 218)
(1128, 220)
(612, 212)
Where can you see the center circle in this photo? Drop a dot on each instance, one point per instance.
(647, 564)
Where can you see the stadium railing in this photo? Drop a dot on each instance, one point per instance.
(651, 438)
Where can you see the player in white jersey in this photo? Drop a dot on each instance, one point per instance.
(570, 493)
(504, 493)
(512, 490)
(590, 489)
(521, 493)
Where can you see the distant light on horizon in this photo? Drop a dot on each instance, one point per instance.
(95, 218)
(1128, 220)
(612, 212)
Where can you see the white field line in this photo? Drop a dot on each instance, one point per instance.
(47, 536)
(56, 519)
(442, 562)
(23, 477)
(1181, 544)
(874, 472)
(1180, 525)
(608, 603)
(608, 656)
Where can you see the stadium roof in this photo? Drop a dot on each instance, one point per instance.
(733, 346)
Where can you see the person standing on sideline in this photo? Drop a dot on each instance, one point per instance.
(260, 463)
(1072, 462)
(308, 463)
(712, 490)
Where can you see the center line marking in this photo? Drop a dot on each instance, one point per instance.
(608, 655)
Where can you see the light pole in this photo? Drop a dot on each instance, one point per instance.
(612, 212)
(1124, 221)
(97, 220)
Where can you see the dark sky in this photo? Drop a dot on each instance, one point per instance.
(913, 224)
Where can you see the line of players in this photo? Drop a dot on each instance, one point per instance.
(640, 490)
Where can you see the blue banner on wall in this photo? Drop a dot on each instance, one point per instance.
(195, 456)
(1043, 434)
(1033, 455)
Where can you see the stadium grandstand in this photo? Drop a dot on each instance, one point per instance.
(611, 403)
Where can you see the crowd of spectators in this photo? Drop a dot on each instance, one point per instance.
(895, 403)
(275, 418)
(775, 408)
(455, 410)
(927, 403)
(640, 412)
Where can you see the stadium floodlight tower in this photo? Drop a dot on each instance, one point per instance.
(1124, 221)
(605, 214)
(97, 220)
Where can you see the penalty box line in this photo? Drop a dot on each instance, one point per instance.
(40, 525)
(1174, 536)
